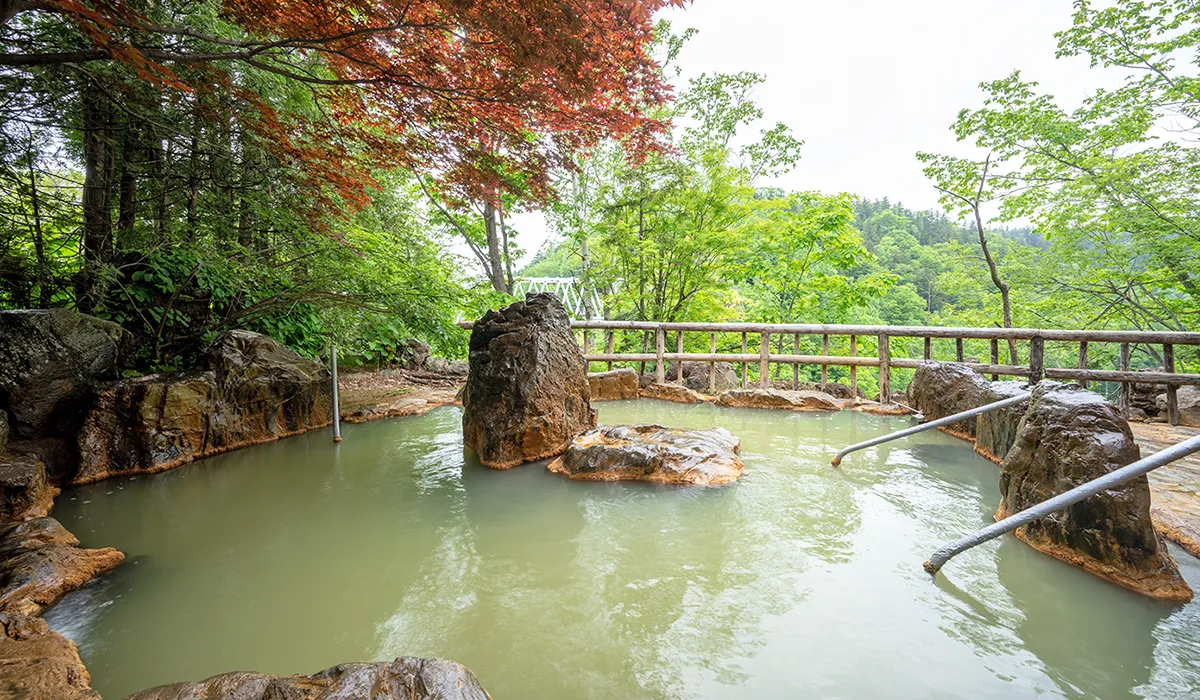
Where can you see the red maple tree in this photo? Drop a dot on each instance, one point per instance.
(479, 94)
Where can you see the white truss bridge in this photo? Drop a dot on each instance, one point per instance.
(570, 290)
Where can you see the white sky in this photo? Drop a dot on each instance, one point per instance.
(868, 83)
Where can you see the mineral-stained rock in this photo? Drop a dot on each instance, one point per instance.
(36, 662)
(527, 395)
(672, 392)
(778, 398)
(834, 389)
(254, 390)
(614, 385)
(996, 431)
(60, 455)
(881, 409)
(406, 678)
(24, 491)
(40, 561)
(940, 389)
(695, 375)
(49, 362)
(3, 429)
(1070, 436)
(1188, 398)
(653, 453)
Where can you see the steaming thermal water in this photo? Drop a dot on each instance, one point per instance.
(798, 581)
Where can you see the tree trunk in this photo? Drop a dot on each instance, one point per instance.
(495, 262)
(97, 182)
(127, 201)
(45, 293)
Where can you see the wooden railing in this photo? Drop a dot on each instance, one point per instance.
(883, 360)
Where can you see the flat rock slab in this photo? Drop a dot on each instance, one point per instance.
(653, 453)
(881, 409)
(803, 400)
(406, 678)
(36, 662)
(40, 561)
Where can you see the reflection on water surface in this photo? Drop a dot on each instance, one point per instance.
(797, 581)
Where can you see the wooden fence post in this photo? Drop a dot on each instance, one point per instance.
(611, 345)
(853, 368)
(587, 350)
(995, 356)
(958, 350)
(885, 369)
(743, 363)
(1037, 354)
(679, 363)
(1083, 361)
(712, 366)
(1126, 389)
(795, 367)
(928, 348)
(1172, 390)
(824, 368)
(660, 367)
(645, 343)
(764, 361)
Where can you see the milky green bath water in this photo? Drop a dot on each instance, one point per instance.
(799, 581)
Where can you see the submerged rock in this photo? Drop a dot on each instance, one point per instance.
(37, 663)
(803, 400)
(24, 491)
(672, 392)
(254, 390)
(406, 678)
(527, 394)
(49, 362)
(613, 385)
(996, 431)
(940, 389)
(1070, 436)
(653, 453)
(40, 561)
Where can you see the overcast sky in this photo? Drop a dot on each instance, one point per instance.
(868, 83)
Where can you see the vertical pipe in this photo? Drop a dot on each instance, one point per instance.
(1172, 395)
(995, 356)
(853, 368)
(928, 348)
(743, 364)
(1126, 388)
(795, 367)
(824, 368)
(764, 361)
(712, 366)
(1083, 361)
(612, 345)
(958, 350)
(337, 416)
(660, 368)
(885, 369)
(1037, 355)
(679, 362)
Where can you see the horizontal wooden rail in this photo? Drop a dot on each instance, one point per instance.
(764, 333)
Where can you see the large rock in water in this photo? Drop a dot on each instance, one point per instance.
(406, 678)
(653, 453)
(254, 390)
(36, 662)
(940, 389)
(49, 362)
(40, 561)
(24, 490)
(996, 431)
(527, 394)
(672, 392)
(803, 400)
(1070, 436)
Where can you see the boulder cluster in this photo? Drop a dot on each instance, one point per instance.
(1061, 437)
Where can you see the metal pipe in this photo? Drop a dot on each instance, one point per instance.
(1063, 500)
(337, 415)
(986, 408)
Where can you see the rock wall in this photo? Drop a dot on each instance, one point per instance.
(614, 385)
(254, 390)
(940, 389)
(527, 394)
(653, 453)
(1070, 436)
